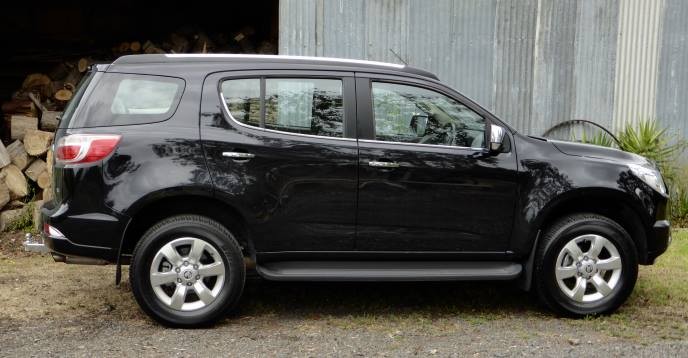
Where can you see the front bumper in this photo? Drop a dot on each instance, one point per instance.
(661, 231)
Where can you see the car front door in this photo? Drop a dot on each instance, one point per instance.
(281, 148)
(426, 181)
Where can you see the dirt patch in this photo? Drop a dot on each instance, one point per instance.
(56, 309)
(11, 244)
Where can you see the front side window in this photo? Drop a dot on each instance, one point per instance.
(410, 114)
(297, 105)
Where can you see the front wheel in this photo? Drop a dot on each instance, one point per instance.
(187, 271)
(586, 264)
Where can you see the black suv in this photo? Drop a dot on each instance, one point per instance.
(194, 169)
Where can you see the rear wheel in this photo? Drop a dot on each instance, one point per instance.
(586, 265)
(187, 271)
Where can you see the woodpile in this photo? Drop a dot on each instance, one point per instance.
(32, 114)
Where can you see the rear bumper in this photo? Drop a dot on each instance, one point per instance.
(84, 237)
(661, 239)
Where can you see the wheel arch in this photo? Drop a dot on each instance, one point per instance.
(157, 206)
(614, 204)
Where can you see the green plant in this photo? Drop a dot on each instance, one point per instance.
(24, 222)
(646, 138)
(599, 138)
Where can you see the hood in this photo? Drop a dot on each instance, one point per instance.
(596, 151)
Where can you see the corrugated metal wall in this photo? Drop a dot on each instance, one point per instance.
(534, 63)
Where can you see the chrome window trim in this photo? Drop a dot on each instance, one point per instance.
(481, 149)
(235, 121)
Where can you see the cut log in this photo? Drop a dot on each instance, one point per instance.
(82, 65)
(135, 46)
(4, 194)
(267, 48)
(47, 194)
(16, 181)
(203, 44)
(36, 215)
(5, 158)
(63, 95)
(124, 47)
(9, 217)
(19, 106)
(14, 204)
(149, 47)
(180, 44)
(37, 142)
(38, 82)
(18, 154)
(49, 161)
(36, 168)
(44, 179)
(37, 102)
(20, 124)
(49, 120)
(60, 71)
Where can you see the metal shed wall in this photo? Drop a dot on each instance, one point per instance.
(534, 63)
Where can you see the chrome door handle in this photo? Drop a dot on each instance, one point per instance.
(238, 155)
(379, 164)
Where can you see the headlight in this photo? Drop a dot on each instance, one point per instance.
(650, 176)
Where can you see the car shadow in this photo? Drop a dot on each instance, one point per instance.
(435, 299)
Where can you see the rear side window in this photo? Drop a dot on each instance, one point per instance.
(125, 99)
(311, 106)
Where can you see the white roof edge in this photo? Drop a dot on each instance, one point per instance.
(313, 58)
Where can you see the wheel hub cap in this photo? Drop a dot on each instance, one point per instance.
(588, 268)
(187, 274)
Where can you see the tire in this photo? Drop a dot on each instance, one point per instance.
(559, 274)
(193, 289)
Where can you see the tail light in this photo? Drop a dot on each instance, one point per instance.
(85, 148)
(49, 230)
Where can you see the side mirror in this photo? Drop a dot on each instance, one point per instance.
(419, 124)
(497, 134)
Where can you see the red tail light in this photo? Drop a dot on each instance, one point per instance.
(85, 148)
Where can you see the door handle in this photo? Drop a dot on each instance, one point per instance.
(379, 164)
(238, 155)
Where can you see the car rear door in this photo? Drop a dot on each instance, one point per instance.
(426, 181)
(281, 149)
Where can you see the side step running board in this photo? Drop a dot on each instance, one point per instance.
(388, 271)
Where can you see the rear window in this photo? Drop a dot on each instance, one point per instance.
(125, 99)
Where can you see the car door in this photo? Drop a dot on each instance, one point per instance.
(426, 180)
(280, 148)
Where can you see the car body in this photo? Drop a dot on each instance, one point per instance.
(459, 196)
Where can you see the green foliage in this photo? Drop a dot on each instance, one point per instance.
(646, 138)
(24, 222)
(599, 138)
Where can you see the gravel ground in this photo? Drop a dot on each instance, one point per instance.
(52, 309)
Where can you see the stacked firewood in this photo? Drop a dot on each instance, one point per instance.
(31, 116)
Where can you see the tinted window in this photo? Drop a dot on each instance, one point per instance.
(411, 114)
(297, 105)
(308, 106)
(123, 99)
(243, 99)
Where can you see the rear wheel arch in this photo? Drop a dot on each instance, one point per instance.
(151, 211)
